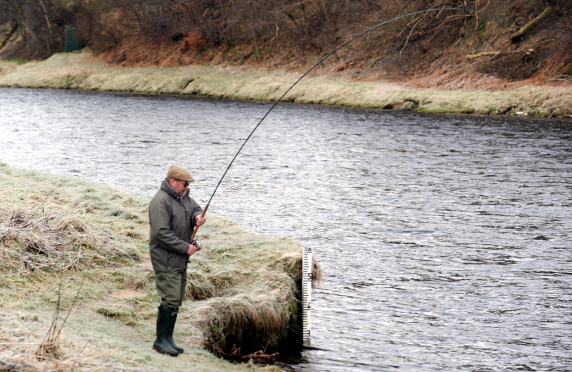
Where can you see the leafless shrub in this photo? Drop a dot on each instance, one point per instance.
(26, 351)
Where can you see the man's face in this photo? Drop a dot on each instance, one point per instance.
(179, 185)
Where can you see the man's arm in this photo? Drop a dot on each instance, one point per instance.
(196, 211)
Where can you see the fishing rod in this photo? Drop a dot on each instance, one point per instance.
(304, 75)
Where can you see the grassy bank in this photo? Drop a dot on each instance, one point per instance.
(77, 250)
(83, 71)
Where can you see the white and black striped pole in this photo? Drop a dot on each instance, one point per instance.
(306, 294)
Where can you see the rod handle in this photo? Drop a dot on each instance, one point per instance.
(197, 227)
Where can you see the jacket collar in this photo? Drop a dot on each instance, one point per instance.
(171, 191)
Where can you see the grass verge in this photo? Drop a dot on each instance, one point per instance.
(74, 260)
(83, 71)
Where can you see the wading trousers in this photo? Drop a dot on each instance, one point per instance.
(171, 288)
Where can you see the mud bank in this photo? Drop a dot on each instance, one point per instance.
(83, 71)
(81, 247)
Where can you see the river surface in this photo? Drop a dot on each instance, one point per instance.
(446, 240)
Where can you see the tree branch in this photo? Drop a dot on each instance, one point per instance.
(517, 35)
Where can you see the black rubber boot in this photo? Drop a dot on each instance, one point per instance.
(162, 343)
(171, 329)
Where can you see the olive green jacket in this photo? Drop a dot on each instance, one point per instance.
(172, 220)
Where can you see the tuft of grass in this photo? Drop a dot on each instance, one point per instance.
(27, 347)
(246, 288)
(118, 311)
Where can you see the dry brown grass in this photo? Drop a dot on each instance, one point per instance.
(56, 242)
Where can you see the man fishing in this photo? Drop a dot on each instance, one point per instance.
(172, 216)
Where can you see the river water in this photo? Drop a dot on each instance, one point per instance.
(446, 240)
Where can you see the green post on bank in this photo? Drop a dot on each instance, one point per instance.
(72, 44)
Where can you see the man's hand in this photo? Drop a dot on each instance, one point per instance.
(200, 220)
(192, 250)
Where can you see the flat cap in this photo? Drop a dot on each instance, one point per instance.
(179, 173)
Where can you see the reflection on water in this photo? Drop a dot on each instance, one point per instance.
(445, 240)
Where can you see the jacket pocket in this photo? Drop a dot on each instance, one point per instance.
(169, 260)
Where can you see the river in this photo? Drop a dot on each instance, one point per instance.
(446, 240)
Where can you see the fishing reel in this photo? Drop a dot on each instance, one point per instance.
(197, 244)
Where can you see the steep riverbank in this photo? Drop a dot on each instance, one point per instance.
(83, 71)
(78, 248)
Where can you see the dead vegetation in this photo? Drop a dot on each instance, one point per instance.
(25, 351)
(54, 242)
(51, 243)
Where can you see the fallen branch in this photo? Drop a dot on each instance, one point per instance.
(561, 78)
(484, 54)
(475, 56)
(520, 33)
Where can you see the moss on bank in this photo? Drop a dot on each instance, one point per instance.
(83, 71)
(84, 245)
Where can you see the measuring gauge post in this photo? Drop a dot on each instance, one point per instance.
(306, 294)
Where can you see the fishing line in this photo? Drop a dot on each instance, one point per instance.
(304, 75)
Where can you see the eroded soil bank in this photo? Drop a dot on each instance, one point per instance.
(86, 72)
(79, 250)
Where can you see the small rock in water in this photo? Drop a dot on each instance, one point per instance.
(541, 237)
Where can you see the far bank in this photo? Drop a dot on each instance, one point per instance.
(85, 72)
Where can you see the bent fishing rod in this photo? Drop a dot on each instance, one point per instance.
(304, 75)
